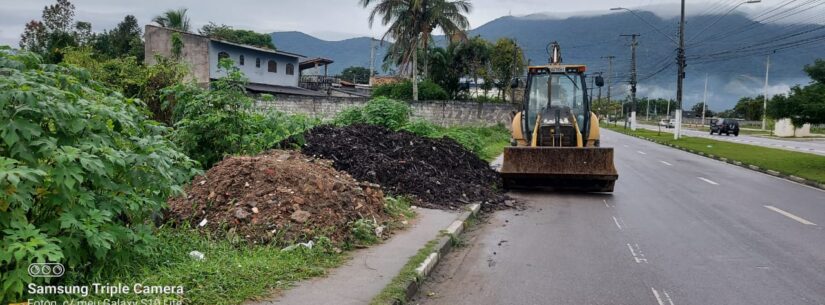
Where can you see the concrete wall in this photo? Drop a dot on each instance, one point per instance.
(195, 50)
(255, 74)
(445, 113)
(784, 128)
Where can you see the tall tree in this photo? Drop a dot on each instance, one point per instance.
(123, 40)
(55, 32)
(411, 23)
(173, 19)
(507, 61)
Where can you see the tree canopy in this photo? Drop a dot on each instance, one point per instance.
(227, 33)
(803, 105)
(358, 75)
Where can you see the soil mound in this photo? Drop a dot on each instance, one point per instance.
(278, 195)
(439, 173)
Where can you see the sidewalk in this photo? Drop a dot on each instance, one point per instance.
(369, 270)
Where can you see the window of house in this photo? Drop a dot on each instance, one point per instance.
(272, 66)
(290, 69)
(222, 55)
(240, 60)
(257, 62)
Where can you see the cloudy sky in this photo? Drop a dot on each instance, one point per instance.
(326, 19)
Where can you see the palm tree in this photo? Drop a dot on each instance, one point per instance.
(411, 24)
(173, 19)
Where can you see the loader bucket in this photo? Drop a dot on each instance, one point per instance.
(587, 169)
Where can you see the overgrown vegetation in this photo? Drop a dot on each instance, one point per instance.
(227, 33)
(213, 123)
(82, 169)
(229, 274)
(427, 90)
(486, 142)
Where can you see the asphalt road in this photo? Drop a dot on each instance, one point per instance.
(679, 229)
(811, 146)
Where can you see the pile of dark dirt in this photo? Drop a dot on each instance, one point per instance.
(278, 195)
(439, 173)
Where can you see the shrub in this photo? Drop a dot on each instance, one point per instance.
(221, 121)
(427, 90)
(81, 168)
(423, 128)
(386, 112)
(351, 115)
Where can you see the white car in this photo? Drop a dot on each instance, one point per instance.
(667, 123)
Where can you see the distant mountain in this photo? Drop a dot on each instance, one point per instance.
(345, 53)
(587, 39)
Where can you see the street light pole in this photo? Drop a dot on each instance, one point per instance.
(680, 78)
(633, 45)
(765, 102)
(705, 100)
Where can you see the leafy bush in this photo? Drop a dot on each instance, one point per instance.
(221, 121)
(423, 128)
(427, 90)
(134, 80)
(387, 112)
(81, 169)
(381, 111)
(351, 115)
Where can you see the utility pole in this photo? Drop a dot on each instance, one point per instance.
(515, 60)
(765, 102)
(600, 88)
(680, 78)
(372, 59)
(705, 100)
(633, 45)
(609, 74)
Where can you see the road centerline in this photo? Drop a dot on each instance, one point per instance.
(641, 152)
(789, 215)
(666, 163)
(616, 221)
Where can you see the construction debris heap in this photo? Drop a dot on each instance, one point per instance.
(278, 195)
(439, 173)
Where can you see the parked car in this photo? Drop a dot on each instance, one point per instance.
(726, 126)
(667, 123)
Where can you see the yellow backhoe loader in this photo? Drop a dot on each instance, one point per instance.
(555, 136)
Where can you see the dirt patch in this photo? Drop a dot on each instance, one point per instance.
(278, 195)
(439, 173)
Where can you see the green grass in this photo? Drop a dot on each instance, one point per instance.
(235, 272)
(229, 274)
(397, 289)
(808, 166)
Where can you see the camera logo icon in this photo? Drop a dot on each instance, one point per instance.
(46, 270)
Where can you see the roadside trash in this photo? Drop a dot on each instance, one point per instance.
(307, 245)
(197, 255)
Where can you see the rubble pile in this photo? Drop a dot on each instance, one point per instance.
(278, 195)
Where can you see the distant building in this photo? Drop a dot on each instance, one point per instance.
(269, 71)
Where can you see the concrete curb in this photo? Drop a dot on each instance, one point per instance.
(774, 173)
(444, 245)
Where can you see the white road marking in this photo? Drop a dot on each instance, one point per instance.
(789, 215)
(625, 146)
(659, 298)
(707, 180)
(665, 163)
(616, 221)
(639, 257)
(641, 152)
(606, 204)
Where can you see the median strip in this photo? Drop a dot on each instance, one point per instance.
(804, 168)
